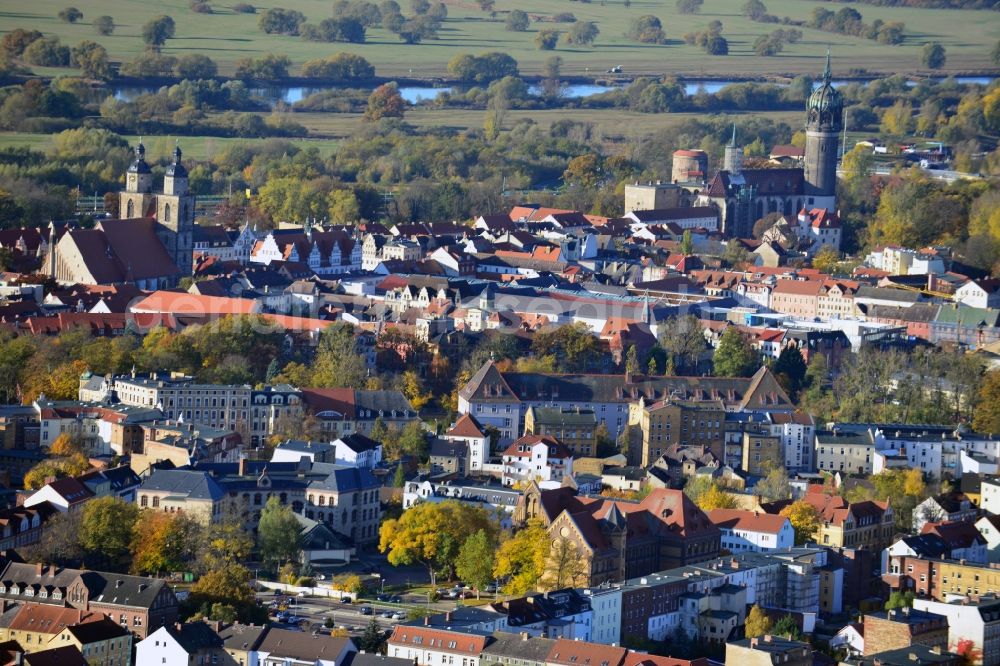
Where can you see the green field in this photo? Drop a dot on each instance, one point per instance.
(967, 35)
(328, 128)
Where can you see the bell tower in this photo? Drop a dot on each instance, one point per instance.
(175, 214)
(138, 196)
(824, 122)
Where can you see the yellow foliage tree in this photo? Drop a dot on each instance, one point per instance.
(716, 498)
(804, 519)
(913, 483)
(522, 557)
(758, 623)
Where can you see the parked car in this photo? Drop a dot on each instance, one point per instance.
(383, 597)
(366, 610)
(386, 614)
(346, 600)
(396, 599)
(399, 615)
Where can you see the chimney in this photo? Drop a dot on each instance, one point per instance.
(524, 635)
(427, 620)
(243, 467)
(447, 616)
(38, 568)
(753, 642)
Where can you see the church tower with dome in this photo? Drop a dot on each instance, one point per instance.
(824, 123)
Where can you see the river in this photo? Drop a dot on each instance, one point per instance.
(416, 94)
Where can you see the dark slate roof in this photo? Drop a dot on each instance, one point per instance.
(443, 448)
(927, 545)
(342, 478)
(516, 646)
(358, 442)
(367, 659)
(383, 401)
(195, 636)
(679, 213)
(67, 655)
(99, 630)
(122, 590)
(193, 484)
(284, 643)
(242, 636)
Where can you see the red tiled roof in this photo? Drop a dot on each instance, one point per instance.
(438, 640)
(183, 303)
(466, 426)
(752, 521)
(531, 440)
(339, 400)
(568, 652)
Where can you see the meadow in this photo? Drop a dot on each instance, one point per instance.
(968, 36)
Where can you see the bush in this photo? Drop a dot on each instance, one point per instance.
(268, 67)
(546, 40)
(281, 21)
(149, 64)
(305, 581)
(104, 25)
(201, 7)
(196, 66)
(47, 52)
(517, 21)
(16, 41)
(689, 6)
(335, 30)
(564, 17)
(339, 67)
(70, 15)
(244, 8)
(647, 29)
(482, 68)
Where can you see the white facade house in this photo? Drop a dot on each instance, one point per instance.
(754, 531)
(797, 431)
(606, 614)
(989, 497)
(976, 622)
(850, 638)
(356, 450)
(160, 648)
(989, 528)
(468, 430)
(537, 458)
(982, 293)
(426, 646)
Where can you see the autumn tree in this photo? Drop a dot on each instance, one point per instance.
(716, 498)
(564, 566)
(986, 415)
(385, 102)
(432, 533)
(522, 557)
(804, 519)
(338, 363)
(106, 529)
(158, 30)
(683, 340)
(826, 260)
(163, 542)
(475, 560)
(573, 346)
(774, 486)
(734, 357)
(758, 623)
(933, 55)
(278, 533)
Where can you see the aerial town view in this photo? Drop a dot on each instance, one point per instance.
(500, 333)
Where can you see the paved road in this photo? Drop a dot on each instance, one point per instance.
(318, 609)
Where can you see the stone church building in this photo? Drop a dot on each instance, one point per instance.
(150, 246)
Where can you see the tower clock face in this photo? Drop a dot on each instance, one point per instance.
(131, 181)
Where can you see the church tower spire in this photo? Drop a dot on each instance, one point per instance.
(824, 121)
(733, 158)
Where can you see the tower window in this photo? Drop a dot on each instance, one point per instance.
(130, 210)
(166, 213)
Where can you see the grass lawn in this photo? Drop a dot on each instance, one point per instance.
(614, 124)
(224, 36)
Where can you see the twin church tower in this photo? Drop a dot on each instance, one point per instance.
(173, 208)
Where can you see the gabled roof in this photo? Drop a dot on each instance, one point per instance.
(568, 652)
(751, 521)
(189, 483)
(466, 426)
(465, 643)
